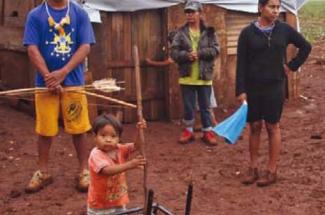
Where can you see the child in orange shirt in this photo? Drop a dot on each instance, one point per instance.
(108, 162)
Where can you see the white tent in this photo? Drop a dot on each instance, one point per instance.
(250, 6)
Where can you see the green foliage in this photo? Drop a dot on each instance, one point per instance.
(312, 19)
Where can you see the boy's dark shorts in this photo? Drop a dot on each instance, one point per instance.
(265, 103)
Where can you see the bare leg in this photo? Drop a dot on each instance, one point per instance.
(41, 178)
(254, 142)
(274, 134)
(80, 144)
(44, 145)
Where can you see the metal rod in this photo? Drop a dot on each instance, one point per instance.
(149, 203)
(189, 199)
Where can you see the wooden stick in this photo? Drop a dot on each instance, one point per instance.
(22, 90)
(43, 89)
(140, 118)
(110, 99)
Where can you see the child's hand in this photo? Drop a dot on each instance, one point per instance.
(138, 162)
(142, 125)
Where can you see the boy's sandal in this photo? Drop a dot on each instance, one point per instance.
(251, 176)
(267, 179)
(83, 181)
(38, 182)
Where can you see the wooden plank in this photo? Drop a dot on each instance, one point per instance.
(232, 50)
(92, 101)
(231, 43)
(15, 12)
(12, 38)
(220, 82)
(231, 79)
(97, 62)
(149, 41)
(15, 69)
(235, 22)
(293, 78)
(1, 11)
(175, 19)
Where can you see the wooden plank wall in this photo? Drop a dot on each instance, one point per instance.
(216, 17)
(175, 19)
(115, 39)
(15, 12)
(16, 72)
(1, 11)
(235, 22)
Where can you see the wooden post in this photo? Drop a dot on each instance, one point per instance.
(175, 19)
(293, 78)
(140, 117)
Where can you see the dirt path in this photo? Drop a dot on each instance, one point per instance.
(215, 171)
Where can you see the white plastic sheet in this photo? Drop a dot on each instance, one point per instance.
(134, 5)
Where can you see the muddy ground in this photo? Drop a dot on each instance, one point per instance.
(215, 171)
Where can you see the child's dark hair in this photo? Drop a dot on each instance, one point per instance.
(107, 119)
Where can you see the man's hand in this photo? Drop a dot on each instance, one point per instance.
(287, 70)
(148, 61)
(242, 97)
(193, 56)
(55, 78)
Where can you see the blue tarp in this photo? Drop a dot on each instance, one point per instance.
(231, 128)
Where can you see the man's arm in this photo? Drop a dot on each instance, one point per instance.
(211, 52)
(156, 63)
(58, 76)
(37, 60)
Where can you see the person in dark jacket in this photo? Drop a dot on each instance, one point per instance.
(261, 76)
(194, 49)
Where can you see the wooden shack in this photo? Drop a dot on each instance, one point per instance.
(112, 55)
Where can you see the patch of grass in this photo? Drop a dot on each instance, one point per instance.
(312, 19)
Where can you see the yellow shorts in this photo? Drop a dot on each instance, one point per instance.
(74, 109)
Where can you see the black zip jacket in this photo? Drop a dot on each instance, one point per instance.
(259, 61)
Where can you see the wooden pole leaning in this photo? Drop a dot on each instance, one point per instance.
(140, 118)
(21, 91)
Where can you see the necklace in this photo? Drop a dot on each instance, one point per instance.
(268, 29)
(269, 37)
(60, 25)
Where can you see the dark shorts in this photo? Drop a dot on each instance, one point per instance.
(265, 103)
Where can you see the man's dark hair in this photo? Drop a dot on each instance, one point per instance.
(107, 119)
(262, 3)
